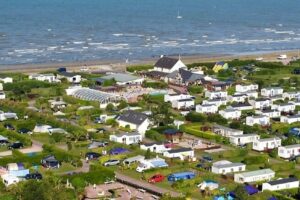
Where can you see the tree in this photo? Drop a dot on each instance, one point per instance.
(110, 108)
(123, 104)
(241, 193)
(273, 153)
(148, 154)
(196, 117)
(217, 118)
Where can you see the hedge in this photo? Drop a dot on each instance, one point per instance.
(11, 135)
(211, 136)
(155, 85)
(41, 118)
(96, 175)
(256, 159)
(137, 68)
(19, 157)
(62, 155)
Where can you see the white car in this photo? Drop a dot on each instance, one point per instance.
(111, 163)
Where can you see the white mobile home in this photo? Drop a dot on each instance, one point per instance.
(271, 91)
(266, 144)
(154, 147)
(126, 138)
(246, 88)
(291, 95)
(281, 184)
(225, 167)
(183, 104)
(260, 120)
(269, 113)
(175, 97)
(225, 131)
(240, 140)
(285, 107)
(240, 98)
(289, 151)
(217, 102)
(254, 176)
(44, 77)
(230, 113)
(290, 119)
(207, 108)
(181, 153)
(242, 106)
(216, 94)
(250, 94)
(260, 103)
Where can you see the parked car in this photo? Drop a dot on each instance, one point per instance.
(156, 178)
(24, 131)
(96, 144)
(294, 158)
(9, 127)
(111, 163)
(92, 155)
(36, 176)
(16, 145)
(207, 158)
(3, 141)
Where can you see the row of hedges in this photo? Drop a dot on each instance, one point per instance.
(155, 85)
(62, 155)
(137, 68)
(11, 135)
(42, 118)
(19, 157)
(190, 130)
(96, 175)
(154, 135)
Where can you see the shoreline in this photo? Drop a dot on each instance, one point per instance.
(120, 65)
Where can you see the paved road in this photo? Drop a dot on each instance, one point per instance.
(144, 185)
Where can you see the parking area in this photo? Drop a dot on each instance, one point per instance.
(117, 191)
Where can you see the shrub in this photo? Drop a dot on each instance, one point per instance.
(155, 85)
(137, 68)
(195, 89)
(196, 117)
(255, 160)
(97, 175)
(154, 135)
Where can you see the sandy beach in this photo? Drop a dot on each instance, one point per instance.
(118, 65)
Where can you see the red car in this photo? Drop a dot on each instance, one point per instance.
(156, 178)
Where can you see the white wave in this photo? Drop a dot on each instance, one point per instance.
(285, 32)
(196, 40)
(52, 48)
(95, 43)
(89, 39)
(117, 34)
(28, 51)
(78, 42)
(49, 29)
(204, 36)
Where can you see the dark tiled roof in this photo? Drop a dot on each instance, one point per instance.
(67, 74)
(156, 74)
(180, 150)
(166, 62)
(171, 131)
(133, 117)
(188, 76)
(153, 143)
(282, 181)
